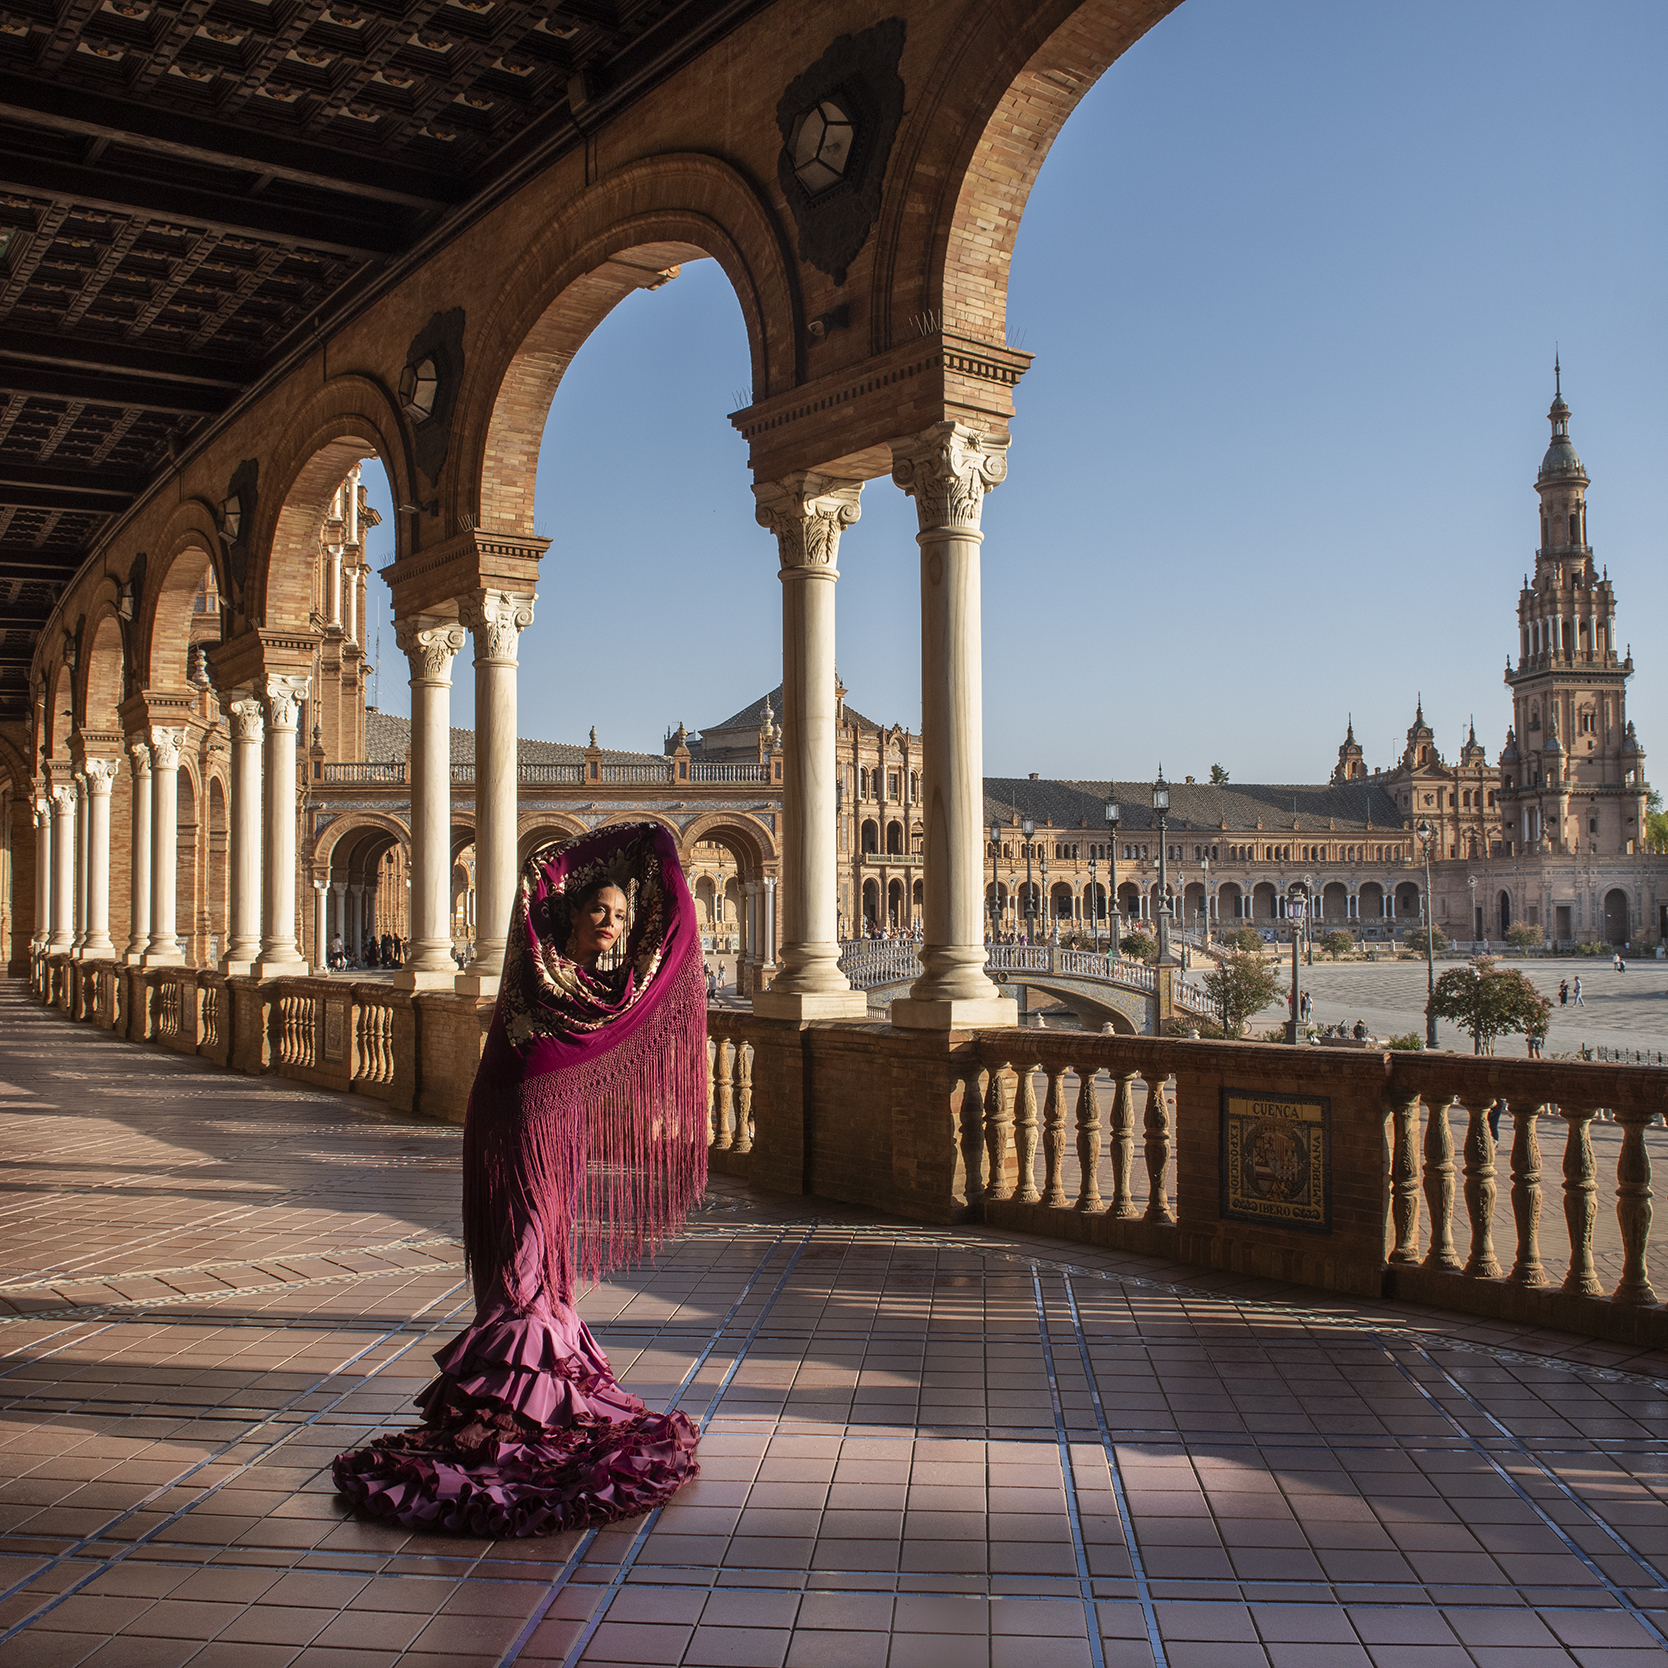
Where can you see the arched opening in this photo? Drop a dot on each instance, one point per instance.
(894, 839)
(217, 855)
(1335, 901)
(190, 912)
(1503, 913)
(1407, 902)
(1230, 901)
(1060, 903)
(1129, 901)
(894, 904)
(871, 906)
(868, 836)
(1616, 916)
(1371, 901)
(1264, 901)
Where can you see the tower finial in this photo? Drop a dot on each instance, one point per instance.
(1557, 373)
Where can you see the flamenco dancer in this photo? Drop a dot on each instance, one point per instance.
(585, 1145)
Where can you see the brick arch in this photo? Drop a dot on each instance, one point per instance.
(356, 824)
(190, 545)
(103, 670)
(735, 832)
(351, 418)
(60, 711)
(977, 134)
(16, 767)
(612, 241)
(538, 828)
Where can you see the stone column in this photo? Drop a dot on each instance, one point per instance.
(807, 513)
(163, 949)
(333, 586)
(497, 619)
(282, 695)
(139, 863)
(101, 777)
(430, 645)
(353, 933)
(63, 868)
(43, 873)
(947, 471)
(769, 906)
(78, 941)
(321, 926)
(243, 912)
(338, 912)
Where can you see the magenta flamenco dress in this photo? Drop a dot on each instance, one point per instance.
(584, 1147)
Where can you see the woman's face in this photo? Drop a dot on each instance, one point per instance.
(599, 924)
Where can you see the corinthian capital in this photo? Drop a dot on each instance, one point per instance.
(807, 512)
(139, 751)
(101, 774)
(63, 799)
(165, 748)
(284, 693)
(245, 719)
(947, 470)
(497, 618)
(430, 645)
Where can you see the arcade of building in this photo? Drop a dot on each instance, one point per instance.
(193, 782)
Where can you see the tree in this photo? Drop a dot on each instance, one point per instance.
(1521, 936)
(1415, 940)
(1243, 985)
(1138, 946)
(1656, 822)
(1247, 938)
(1338, 943)
(1489, 1001)
(1218, 776)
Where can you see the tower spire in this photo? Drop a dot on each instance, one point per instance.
(1557, 374)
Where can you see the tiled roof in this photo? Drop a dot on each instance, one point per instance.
(1196, 805)
(750, 718)
(389, 737)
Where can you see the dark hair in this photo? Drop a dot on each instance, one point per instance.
(588, 892)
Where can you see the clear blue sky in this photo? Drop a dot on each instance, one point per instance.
(1293, 274)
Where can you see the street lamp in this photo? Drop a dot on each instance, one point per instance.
(1296, 896)
(1161, 808)
(1094, 896)
(1471, 881)
(1424, 832)
(1028, 828)
(995, 884)
(1204, 904)
(839, 825)
(1049, 927)
(1113, 812)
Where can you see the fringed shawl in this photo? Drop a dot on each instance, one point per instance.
(586, 1139)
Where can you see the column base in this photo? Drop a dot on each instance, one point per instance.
(956, 1013)
(162, 958)
(812, 1004)
(423, 978)
(288, 967)
(237, 969)
(478, 984)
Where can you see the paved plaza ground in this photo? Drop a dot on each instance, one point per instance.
(1619, 1010)
(920, 1447)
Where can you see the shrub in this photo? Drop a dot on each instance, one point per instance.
(1415, 940)
(1593, 948)
(1522, 936)
(1411, 1041)
(1245, 938)
(1178, 1027)
(1139, 946)
(1338, 943)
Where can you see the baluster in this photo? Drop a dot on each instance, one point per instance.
(1088, 1140)
(971, 1134)
(1633, 1208)
(1580, 1202)
(1158, 1153)
(712, 1092)
(1054, 1137)
(723, 1109)
(388, 1045)
(744, 1097)
(1439, 1185)
(999, 1133)
(1404, 1175)
(1480, 1191)
(1025, 1134)
(1123, 1146)
(1526, 1196)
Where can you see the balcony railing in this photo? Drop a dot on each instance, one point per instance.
(390, 770)
(728, 772)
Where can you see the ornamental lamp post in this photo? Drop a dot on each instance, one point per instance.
(1161, 808)
(1424, 832)
(1028, 828)
(1114, 812)
(995, 883)
(1204, 904)
(1094, 896)
(1296, 897)
(1471, 881)
(1049, 927)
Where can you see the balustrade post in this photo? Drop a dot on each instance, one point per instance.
(999, 1131)
(1633, 1208)
(722, 1104)
(1526, 1196)
(1025, 1133)
(1480, 1190)
(1439, 1186)
(1580, 1202)
(1054, 1138)
(971, 1134)
(1123, 1146)
(1404, 1175)
(1158, 1153)
(744, 1099)
(1088, 1140)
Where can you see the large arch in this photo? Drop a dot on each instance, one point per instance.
(190, 546)
(620, 237)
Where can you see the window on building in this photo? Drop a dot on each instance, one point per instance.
(1574, 537)
(892, 780)
(1592, 825)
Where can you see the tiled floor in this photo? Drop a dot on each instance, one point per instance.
(920, 1448)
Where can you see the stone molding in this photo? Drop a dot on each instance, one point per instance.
(497, 619)
(807, 512)
(947, 470)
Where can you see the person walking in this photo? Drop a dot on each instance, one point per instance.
(1578, 1002)
(1563, 993)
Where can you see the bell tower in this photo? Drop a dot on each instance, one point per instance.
(1575, 786)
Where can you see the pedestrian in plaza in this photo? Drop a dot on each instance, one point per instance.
(1360, 1030)
(584, 1146)
(1578, 1002)
(1563, 993)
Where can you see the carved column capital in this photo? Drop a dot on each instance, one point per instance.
(807, 512)
(947, 470)
(245, 719)
(101, 775)
(139, 750)
(430, 645)
(63, 799)
(283, 694)
(497, 619)
(165, 748)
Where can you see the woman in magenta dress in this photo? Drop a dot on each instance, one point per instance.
(584, 1147)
